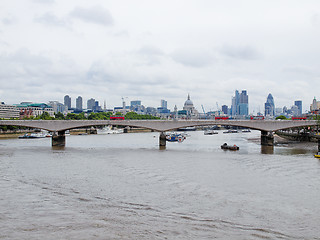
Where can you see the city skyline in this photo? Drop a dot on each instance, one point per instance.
(101, 49)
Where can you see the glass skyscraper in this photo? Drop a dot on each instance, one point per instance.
(240, 104)
(269, 106)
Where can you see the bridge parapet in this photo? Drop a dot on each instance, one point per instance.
(160, 125)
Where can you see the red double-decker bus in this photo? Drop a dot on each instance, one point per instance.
(116, 117)
(299, 118)
(221, 118)
(256, 117)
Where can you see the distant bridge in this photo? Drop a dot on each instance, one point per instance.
(265, 126)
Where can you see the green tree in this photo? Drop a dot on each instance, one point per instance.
(45, 116)
(59, 116)
(281, 117)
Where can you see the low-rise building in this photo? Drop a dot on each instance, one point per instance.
(34, 109)
(8, 111)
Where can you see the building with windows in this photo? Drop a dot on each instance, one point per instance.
(164, 104)
(67, 101)
(79, 103)
(34, 109)
(240, 104)
(8, 111)
(91, 103)
(243, 107)
(224, 109)
(298, 103)
(58, 107)
(137, 107)
(269, 108)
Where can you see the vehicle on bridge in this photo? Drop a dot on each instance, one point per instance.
(299, 118)
(116, 117)
(256, 117)
(221, 118)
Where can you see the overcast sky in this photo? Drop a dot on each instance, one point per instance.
(152, 50)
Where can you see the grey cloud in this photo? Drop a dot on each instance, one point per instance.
(301, 70)
(150, 55)
(9, 20)
(44, 1)
(192, 57)
(96, 15)
(240, 52)
(150, 50)
(315, 20)
(50, 19)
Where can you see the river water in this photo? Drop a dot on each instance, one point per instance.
(122, 186)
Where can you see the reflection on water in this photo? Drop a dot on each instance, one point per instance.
(162, 147)
(121, 186)
(267, 149)
(58, 147)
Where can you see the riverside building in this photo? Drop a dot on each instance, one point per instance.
(8, 111)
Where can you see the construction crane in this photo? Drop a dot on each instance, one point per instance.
(204, 112)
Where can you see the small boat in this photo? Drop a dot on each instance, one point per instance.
(231, 131)
(317, 155)
(33, 135)
(187, 129)
(175, 137)
(246, 130)
(228, 147)
(210, 132)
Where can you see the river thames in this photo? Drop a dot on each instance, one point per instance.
(122, 186)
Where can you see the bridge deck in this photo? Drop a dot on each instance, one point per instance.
(160, 125)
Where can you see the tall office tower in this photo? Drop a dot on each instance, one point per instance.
(298, 103)
(79, 103)
(235, 103)
(243, 106)
(91, 103)
(67, 101)
(225, 109)
(240, 104)
(164, 104)
(269, 106)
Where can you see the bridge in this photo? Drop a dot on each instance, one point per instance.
(58, 127)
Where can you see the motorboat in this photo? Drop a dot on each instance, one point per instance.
(33, 135)
(231, 131)
(110, 130)
(225, 146)
(317, 155)
(175, 137)
(246, 130)
(187, 129)
(210, 132)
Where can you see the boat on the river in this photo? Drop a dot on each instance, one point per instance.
(210, 132)
(317, 155)
(175, 137)
(246, 130)
(231, 131)
(225, 146)
(187, 129)
(33, 135)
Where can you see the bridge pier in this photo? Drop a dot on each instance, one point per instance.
(162, 139)
(267, 138)
(58, 139)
